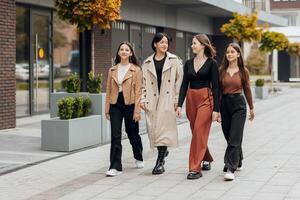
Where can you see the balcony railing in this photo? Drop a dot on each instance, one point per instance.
(255, 4)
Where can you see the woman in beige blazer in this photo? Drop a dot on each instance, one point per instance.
(162, 77)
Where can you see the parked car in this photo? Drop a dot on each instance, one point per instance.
(22, 70)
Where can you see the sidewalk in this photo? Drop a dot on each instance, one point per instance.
(271, 166)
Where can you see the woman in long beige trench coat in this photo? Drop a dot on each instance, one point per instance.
(162, 77)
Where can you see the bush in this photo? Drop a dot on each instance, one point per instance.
(70, 107)
(259, 82)
(78, 107)
(65, 107)
(256, 61)
(94, 83)
(73, 83)
(86, 106)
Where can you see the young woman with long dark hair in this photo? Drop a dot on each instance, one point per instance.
(234, 79)
(123, 94)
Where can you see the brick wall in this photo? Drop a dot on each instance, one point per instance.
(7, 64)
(103, 56)
(283, 5)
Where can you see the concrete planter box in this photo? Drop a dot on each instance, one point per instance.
(261, 92)
(97, 108)
(73, 134)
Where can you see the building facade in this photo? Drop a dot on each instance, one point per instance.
(39, 50)
(289, 9)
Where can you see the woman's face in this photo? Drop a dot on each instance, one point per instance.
(232, 54)
(162, 45)
(197, 46)
(124, 52)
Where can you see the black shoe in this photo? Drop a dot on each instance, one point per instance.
(206, 166)
(159, 166)
(158, 169)
(194, 175)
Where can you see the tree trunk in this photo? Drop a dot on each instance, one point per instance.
(272, 72)
(93, 51)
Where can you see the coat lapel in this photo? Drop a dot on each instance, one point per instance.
(168, 63)
(114, 73)
(151, 67)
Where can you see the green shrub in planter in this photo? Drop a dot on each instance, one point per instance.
(73, 83)
(259, 82)
(94, 83)
(65, 107)
(70, 107)
(86, 106)
(78, 107)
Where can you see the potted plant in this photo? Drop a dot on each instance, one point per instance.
(74, 129)
(94, 85)
(261, 92)
(72, 87)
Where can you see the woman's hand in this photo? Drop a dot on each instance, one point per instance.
(143, 106)
(251, 115)
(178, 112)
(107, 116)
(215, 116)
(137, 117)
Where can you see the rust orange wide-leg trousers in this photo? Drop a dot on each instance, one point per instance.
(199, 108)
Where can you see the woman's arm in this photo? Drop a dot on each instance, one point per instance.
(184, 85)
(107, 98)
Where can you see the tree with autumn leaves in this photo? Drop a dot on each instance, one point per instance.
(243, 28)
(87, 13)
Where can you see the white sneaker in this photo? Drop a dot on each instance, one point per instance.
(229, 176)
(139, 164)
(113, 172)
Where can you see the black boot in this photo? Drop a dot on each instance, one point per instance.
(159, 166)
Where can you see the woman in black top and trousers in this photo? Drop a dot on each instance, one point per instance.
(200, 86)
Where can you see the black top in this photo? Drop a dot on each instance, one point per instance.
(159, 64)
(206, 77)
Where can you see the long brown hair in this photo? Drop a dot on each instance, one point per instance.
(132, 59)
(240, 63)
(209, 50)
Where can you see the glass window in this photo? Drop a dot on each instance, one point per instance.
(180, 45)
(147, 37)
(188, 42)
(119, 34)
(66, 51)
(22, 61)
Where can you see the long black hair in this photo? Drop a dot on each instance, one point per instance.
(240, 63)
(157, 38)
(132, 58)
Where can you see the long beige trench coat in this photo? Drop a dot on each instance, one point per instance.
(160, 114)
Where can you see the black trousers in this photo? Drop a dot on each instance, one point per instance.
(117, 112)
(233, 113)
